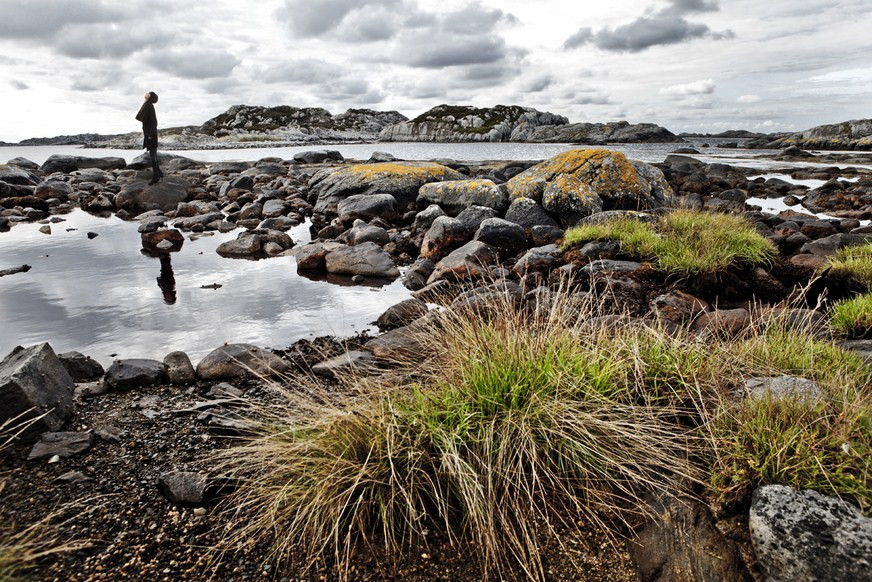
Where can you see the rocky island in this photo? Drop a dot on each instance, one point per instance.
(609, 369)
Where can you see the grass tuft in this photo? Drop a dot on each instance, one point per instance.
(853, 263)
(683, 242)
(853, 316)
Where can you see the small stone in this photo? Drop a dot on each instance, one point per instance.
(183, 486)
(200, 511)
(93, 235)
(61, 445)
(45, 229)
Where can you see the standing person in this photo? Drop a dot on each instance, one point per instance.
(149, 130)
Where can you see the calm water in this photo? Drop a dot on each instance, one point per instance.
(102, 296)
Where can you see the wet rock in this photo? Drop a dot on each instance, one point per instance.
(682, 542)
(367, 259)
(507, 237)
(135, 373)
(81, 368)
(179, 368)
(311, 256)
(399, 179)
(14, 270)
(61, 444)
(348, 363)
(366, 207)
(185, 487)
(403, 313)
(443, 236)
(529, 213)
(140, 196)
(151, 223)
(783, 388)
(470, 261)
(45, 229)
(457, 195)
(154, 240)
(34, 383)
(235, 361)
(253, 243)
(804, 535)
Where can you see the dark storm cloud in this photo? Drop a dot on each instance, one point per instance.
(191, 63)
(113, 41)
(29, 19)
(660, 27)
(21, 86)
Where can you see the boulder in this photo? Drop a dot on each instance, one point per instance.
(443, 236)
(16, 175)
(801, 536)
(135, 373)
(139, 196)
(457, 195)
(366, 259)
(507, 237)
(53, 189)
(234, 361)
(34, 383)
(473, 216)
(402, 180)
(228, 167)
(318, 156)
(529, 214)
(578, 183)
(830, 244)
(362, 232)
(366, 207)
(401, 342)
(81, 368)
(179, 368)
(343, 364)
(403, 313)
(274, 208)
(67, 164)
(167, 161)
(470, 261)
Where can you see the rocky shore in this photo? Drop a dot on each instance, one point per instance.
(130, 443)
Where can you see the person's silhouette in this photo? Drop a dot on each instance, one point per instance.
(167, 280)
(149, 131)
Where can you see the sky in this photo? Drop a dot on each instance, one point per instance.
(77, 66)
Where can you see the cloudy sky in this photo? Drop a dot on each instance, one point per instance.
(74, 66)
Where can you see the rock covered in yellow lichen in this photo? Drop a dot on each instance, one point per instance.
(455, 196)
(400, 179)
(578, 183)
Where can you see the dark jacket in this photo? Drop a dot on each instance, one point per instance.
(149, 125)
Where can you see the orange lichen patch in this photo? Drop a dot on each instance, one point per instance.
(423, 170)
(605, 171)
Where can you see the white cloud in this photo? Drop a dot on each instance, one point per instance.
(748, 99)
(701, 87)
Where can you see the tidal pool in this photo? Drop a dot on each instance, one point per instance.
(103, 297)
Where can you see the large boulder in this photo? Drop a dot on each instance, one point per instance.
(234, 361)
(12, 174)
(456, 195)
(140, 196)
(366, 259)
(67, 164)
(578, 183)
(402, 180)
(80, 367)
(34, 383)
(804, 535)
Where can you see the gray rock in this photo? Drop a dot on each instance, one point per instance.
(417, 274)
(225, 390)
(678, 307)
(377, 157)
(179, 368)
(443, 236)
(801, 536)
(343, 364)
(503, 235)
(242, 182)
(246, 244)
(543, 234)
(367, 259)
(403, 313)
(318, 156)
(67, 164)
(366, 207)
(473, 216)
(53, 189)
(311, 256)
(609, 266)
(783, 388)
(529, 213)
(62, 444)
(425, 218)
(397, 343)
(140, 196)
(471, 261)
(34, 383)
(14, 174)
(228, 167)
(682, 542)
(274, 208)
(456, 195)
(235, 361)
(830, 244)
(362, 232)
(183, 487)
(537, 260)
(80, 367)
(135, 373)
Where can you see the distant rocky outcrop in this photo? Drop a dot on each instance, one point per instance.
(848, 135)
(459, 123)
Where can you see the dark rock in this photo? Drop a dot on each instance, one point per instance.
(67, 164)
(362, 232)
(80, 367)
(443, 236)
(417, 274)
(14, 270)
(425, 218)
(228, 167)
(311, 256)
(367, 259)
(34, 383)
(503, 235)
(473, 216)
(829, 245)
(804, 535)
(682, 542)
(348, 363)
(528, 213)
(16, 175)
(318, 156)
(470, 261)
(456, 195)
(153, 240)
(135, 373)
(140, 196)
(234, 361)
(183, 487)
(729, 322)
(179, 368)
(53, 189)
(403, 313)
(397, 343)
(542, 234)
(366, 207)
(537, 260)
(62, 444)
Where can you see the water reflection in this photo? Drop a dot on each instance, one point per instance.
(98, 296)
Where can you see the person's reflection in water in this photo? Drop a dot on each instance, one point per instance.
(167, 281)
